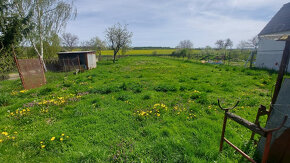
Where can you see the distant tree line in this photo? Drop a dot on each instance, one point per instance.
(222, 52)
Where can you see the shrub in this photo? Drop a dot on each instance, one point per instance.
(45, 91)
(165, 88)
(4, 99)
(3, 76)
(123, 97)
(199, 97)
(123, 86)
(146, 97)
(136, 87)
(154, 52)
(96, 103)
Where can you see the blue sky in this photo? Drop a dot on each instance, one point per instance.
(166, 22)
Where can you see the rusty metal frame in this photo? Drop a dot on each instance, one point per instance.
(19, 71)
(253, 127)
(261, 111)
(27, 85)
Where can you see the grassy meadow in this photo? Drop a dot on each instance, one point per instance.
(140, 109)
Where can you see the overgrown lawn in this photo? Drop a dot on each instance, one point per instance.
(148, 109)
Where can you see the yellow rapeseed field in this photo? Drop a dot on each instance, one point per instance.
(140, 52)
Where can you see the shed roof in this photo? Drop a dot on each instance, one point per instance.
(279, 23)
(76, 52)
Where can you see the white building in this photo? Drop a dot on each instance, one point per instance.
(270, 51)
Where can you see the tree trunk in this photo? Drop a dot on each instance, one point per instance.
(225, 56)
(114, 57)
(40, 37)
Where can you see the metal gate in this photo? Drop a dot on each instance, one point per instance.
(31, 72)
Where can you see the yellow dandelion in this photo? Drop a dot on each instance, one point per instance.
(41, 142)
(67, 136)
(158, 115)
(142, 113)
(42, 146)
(1, 140)
(62, 134)
(13, 137)
(52, 139)
(61, 139)
(23, 91)
(4, 133)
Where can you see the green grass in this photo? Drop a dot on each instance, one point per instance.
(101, 112)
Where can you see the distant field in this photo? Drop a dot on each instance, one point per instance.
(142, 52)
(145, 52)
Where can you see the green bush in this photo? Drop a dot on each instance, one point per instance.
(4, 99)
(165, 88)
(123, 97)
(146, 97)
(4, 77)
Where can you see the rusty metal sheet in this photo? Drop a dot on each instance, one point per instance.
(31, 73)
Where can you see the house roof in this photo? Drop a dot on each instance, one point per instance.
(279, 23)
(76, 52)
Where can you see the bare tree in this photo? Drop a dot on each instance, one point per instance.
(118, 37)
(49, 17)
(224, 44)
(228, 43)
(243, 45)
(254, 42)
(69, 40)
(220, 44)
(185, 44)
(250, 44)
(99, 45)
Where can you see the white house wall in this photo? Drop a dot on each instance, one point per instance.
(269, 54)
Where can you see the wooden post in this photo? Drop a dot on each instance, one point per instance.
(79, 63)
(282, 70)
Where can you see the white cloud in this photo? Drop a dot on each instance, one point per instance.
(166, 22)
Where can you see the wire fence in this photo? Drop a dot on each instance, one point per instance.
(64, 65)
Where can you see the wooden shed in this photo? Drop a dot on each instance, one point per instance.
(87, 59)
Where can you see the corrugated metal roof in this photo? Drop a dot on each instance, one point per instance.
(279, 23)
(76, 52)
